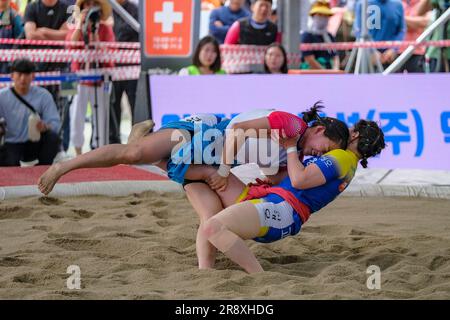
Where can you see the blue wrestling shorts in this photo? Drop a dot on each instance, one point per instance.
(205, 139)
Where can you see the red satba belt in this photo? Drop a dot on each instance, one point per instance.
(260, 191)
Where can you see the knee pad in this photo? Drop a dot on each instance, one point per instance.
(218, 234)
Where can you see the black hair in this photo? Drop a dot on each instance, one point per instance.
(23, 66)
(335, 129)
(284, 66)
(371, 140)
(204, 41)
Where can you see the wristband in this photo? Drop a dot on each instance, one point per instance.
(291, 150)
(224, 170)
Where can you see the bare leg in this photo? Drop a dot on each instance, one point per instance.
(206, 203)
(203, 172)
(228, 229)
(231, 194)
(149, 149)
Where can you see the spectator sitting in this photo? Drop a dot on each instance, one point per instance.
(206, 59)
(88, 91)
(317, 33)
(257, 29)
(392, 27)
(222, 18)
(17, 146)
(275, 59)
(11, 27)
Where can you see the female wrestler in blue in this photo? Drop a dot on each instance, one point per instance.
(158, 148)
(269, 213)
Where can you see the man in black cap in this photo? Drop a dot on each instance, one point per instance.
(32, 120)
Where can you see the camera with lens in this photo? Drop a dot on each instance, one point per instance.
(92, 17)
(94, 14)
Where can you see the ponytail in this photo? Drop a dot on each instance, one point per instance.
(371, 140)
(364, 163)
(313, 113)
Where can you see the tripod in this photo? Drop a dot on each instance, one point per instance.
(363, 55)
(94, 17)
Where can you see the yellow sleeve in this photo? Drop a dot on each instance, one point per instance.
(342, 160)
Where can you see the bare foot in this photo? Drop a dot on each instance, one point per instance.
(49, 178)
(139, 130)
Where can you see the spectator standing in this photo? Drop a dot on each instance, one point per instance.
(257, 29)
(48, 20)
(123, 33)
(18, 146)
(222, 18)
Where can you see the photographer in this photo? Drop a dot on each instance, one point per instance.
(32, 120)
(95, 14)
